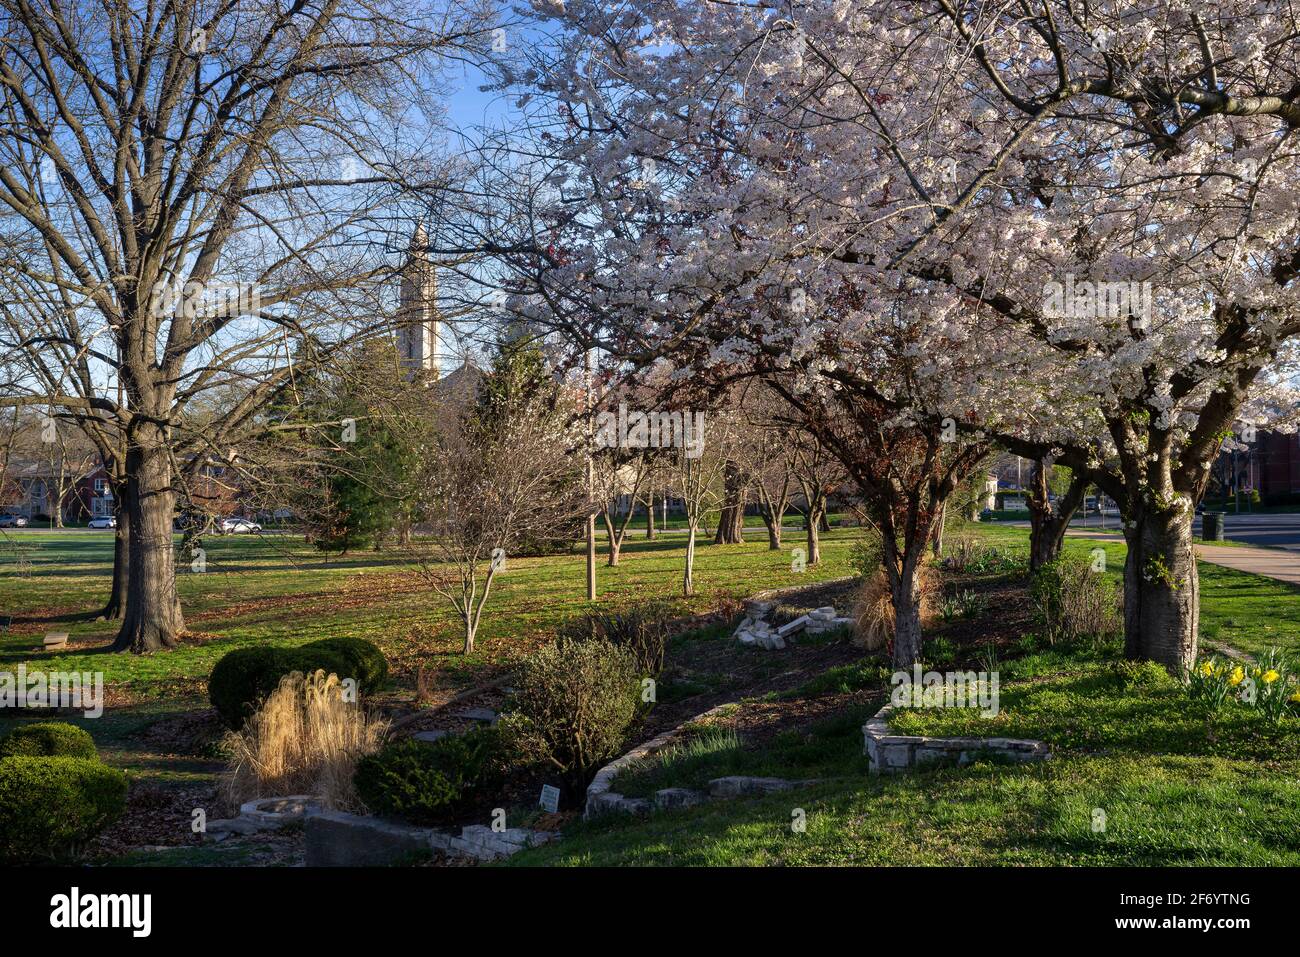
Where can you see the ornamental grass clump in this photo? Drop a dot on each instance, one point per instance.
(306, 738)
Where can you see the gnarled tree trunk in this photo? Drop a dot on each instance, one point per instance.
(905, 592)
(1161, 587)
(731, 522)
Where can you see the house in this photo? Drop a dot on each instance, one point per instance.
(39, 491)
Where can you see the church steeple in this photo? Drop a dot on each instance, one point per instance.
(417, 337)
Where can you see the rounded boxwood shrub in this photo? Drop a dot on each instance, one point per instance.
(242, 678)
(49, 806)
(428, 783)
(48, 739)
(364, 661)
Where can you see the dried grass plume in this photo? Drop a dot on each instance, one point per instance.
(305, 739)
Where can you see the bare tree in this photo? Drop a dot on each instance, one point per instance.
(485, 488)
(196, 197)
(622, 477)
(700, 482)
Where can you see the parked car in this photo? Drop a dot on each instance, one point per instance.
(13, 521)
(238, 526)
(105, 522)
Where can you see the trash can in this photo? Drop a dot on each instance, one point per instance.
(1212, 526)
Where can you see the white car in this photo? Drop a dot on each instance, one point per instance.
(106, 522)
(238, 526)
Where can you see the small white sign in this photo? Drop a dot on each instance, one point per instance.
(550, 798)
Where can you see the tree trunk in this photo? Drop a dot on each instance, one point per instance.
(936, 542)
(1048, 522)
(814, 535)
(905, 593)
(1161, 588)
(614, 537)
(115, 610)
(731, 522)
(153, 619)
(773, 523)
(650, 515)
(688, 575)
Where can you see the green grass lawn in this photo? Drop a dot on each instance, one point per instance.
(1174, 783)
(276, 589)
(1159, 811)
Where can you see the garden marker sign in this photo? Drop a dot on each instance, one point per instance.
(550, 798)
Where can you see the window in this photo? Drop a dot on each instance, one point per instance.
(100, 485)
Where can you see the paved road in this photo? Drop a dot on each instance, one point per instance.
(1271, 531)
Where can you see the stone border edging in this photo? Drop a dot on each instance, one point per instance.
(890, 753)
(602, 799)
(340, 839)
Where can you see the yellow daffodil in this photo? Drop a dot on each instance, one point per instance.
(1270, 676)
(1207, 669)
(1295, 696)
(1237, 676)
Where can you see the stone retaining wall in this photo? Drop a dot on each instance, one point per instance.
(339, 839)
(603, 799)
(890, 753)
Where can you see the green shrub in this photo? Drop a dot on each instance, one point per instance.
(50, 806)
(48, 739)
(1145, 675)
(1072, 601)
(573, 708)
(243, 677)
(363, 660)
(643, 630)
(428, 783)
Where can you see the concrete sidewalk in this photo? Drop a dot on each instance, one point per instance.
(1277, 563)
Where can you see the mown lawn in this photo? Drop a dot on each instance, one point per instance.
(1141, 774)
(1244, 611)
(275, 589)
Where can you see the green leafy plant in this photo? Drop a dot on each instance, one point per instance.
(49, 806)
(1271, 688)
(49, 739)
(1213, 681)
(573, 707)
(429, 783)
(1072, 601)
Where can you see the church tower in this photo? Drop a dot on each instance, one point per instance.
(417, 336)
